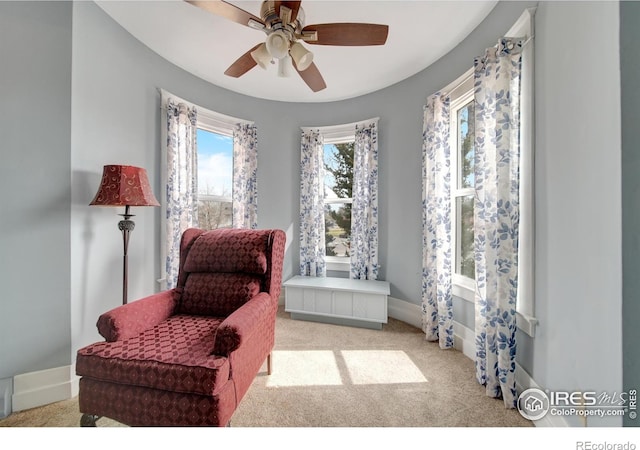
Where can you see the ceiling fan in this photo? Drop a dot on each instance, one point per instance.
(284, 24)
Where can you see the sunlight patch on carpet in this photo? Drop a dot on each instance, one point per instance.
(333, 368)
(381, 367)
(304, 368)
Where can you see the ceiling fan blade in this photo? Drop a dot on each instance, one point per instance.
(242, 65)
(229, 11)
(346, 34)
(311, 76)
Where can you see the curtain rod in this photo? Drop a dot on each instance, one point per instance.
(469, 72)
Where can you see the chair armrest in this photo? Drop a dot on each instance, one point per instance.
(133, 318)
(242, 323)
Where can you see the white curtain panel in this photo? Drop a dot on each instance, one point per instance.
(312, 239)
(245, 176)
(182, 185)
(496, 219)
(437, 302)
(364, 210)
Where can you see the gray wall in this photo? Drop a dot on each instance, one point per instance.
(35, 139)
(578, 345)
(630, 85)
(578, 204)
(115, 88)
(105, 108)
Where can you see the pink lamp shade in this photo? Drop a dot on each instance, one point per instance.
(124, 186)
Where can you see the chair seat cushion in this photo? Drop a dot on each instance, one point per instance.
(173, 356)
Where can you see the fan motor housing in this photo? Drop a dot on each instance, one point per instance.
(274, 21)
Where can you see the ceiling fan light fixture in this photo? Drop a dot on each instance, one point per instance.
(261, 56)
(302, 57)
(278, 44)
(285, 67)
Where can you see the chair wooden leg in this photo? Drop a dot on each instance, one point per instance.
(88, 420)
(269, 364)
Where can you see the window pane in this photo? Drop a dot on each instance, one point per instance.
(337, 229)
(464, 237)
(338, 164)
(215, 175)
(466, 149)
(214, 214)
(215, 163)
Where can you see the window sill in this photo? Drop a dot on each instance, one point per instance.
(464, 291)
(526, 323)
(335, 263)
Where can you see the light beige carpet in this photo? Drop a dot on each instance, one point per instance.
(337, 376)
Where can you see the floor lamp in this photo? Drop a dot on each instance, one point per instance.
(124, 186)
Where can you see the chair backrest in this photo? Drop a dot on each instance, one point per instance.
(222, 269)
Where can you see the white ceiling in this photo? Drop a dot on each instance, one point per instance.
(420, 32)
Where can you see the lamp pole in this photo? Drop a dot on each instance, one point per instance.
(126, 226)
(124, 186)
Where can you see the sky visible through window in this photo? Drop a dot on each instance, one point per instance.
(466, 142)
(215, 163)
(329, 179)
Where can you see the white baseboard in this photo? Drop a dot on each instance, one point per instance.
(523, 382)
(404, 311)
(40, 388)
(463, 337)
(464, 341)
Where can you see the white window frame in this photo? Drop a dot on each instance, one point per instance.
(208, 121)
(462, 94)
(338, 263)
(458, 91)
(527, 322)
(220, 124)
(337, 134)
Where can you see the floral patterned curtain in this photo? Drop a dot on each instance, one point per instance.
(245, 170)
(496, 219)
(437, 302)
(364, 211)
(182, 182)
(312, 243)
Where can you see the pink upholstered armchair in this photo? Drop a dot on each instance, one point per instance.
(187, 356)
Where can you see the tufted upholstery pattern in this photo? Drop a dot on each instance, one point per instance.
(132, 318)
(175, 355)
(188, 355)
(229, 250)
(217, 294)
(143, 407)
